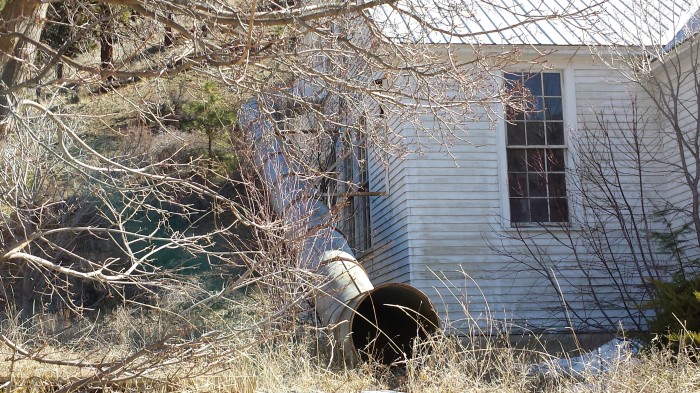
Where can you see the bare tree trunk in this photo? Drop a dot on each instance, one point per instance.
(27, 306)
(107, 49)
(169, 39)
(16, 55)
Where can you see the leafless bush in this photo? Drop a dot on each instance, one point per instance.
(148, 214)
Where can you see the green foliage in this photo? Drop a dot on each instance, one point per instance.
(678, 310)
(675, 242)
(2, 4)
(677, 302)
(211, 115)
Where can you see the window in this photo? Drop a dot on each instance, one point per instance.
(347, 187)
(361, 239)
(536, 150)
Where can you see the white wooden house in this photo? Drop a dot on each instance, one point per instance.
(478, 229)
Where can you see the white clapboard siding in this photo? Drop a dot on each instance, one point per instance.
(439, 228)
(387, 260)
(679, 193)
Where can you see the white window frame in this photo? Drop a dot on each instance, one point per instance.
(568, 87)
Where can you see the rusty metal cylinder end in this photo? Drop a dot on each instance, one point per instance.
(382, 324)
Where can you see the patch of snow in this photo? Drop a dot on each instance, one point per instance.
(601, 359)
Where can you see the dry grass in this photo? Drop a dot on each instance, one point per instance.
(242, 360)
(454, 367)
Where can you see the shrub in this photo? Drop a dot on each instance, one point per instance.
(677, 302)
(211, 115)
(678, 310)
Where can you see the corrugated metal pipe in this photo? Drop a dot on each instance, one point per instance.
(378, 323)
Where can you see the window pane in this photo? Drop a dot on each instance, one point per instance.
(559, 210)
(537, 110)
(516, 160)
(537, 183)
(535, 133)
(535, 160)
(554, 109)
(555, 133)
(555, 160)
(513, 115)
(539, 210)
(557, 185)
(519, 210)
(533, 82)
(516, 133)
(552, 84)
(517, 184)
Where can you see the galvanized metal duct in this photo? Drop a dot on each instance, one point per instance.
(379, 323)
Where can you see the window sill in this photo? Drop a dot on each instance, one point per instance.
(543, 228)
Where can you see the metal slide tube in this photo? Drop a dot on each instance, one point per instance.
(368, 323)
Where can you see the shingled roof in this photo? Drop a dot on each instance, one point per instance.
(536, 22)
